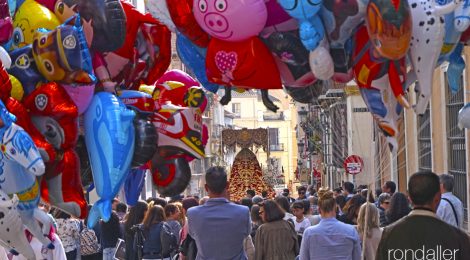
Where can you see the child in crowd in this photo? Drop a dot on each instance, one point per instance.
(300, 221)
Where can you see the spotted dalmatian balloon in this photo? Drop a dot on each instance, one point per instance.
(12, 230)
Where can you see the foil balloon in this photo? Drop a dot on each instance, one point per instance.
(389, 27)
(307, 13)
(291, 58)
(6, 23)
(159, 10)
(370, 66)
(456, 68)
(62, 55)
(181, 12)
(145, 54)
(12, 230)
(104, 21)
(426, 44)
(29, 17)
(171, 176)
(243, 64)
(23, 119)
(278, 20)
(179, 76)
(234, 21)
(462, 16)
(146, 137)
(110, 138)
(464, 117)
(195, 60)
(5, 84)
(55, 116)
(24, 68)
(133, 185)
(85, 167)
(17, 91)
(20, 165)
(306, 94)
(180, 128)
(81, 95)
(5, 58)
(341, 19)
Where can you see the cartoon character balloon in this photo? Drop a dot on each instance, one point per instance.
(104, 21)
(426, 44)
(29, 17)
(20, 164)
(55, 116)
(24, 68)
(62, 55)
(110, 137)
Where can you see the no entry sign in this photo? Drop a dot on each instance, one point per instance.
(353, 164)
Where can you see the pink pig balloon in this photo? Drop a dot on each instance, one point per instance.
(231, 20)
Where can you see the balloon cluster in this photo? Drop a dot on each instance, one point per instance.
(385, 46)
(85, 89)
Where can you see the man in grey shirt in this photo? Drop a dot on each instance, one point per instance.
(219, 226)
(450, 208)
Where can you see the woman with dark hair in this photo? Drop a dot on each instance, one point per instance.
(68, 229)
(135, 217)
(351, 210)
(152, 227)
(276, 238)
(340, 203)
(110, 233)
(399, 207)
(189, 246)
(283, 202)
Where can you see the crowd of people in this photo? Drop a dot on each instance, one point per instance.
(347, 222)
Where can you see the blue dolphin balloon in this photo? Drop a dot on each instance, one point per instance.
(110, 138)
(195, 59)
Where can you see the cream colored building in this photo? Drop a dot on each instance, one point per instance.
(251, 113)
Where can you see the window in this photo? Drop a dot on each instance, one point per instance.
(273, 136)
(424, 141)
(236, 107)
(456, 144)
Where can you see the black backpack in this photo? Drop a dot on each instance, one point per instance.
(139, 239)
(188, 248)
(168, 241)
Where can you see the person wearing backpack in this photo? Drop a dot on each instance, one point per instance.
(89, 244)
(158, 240)
(110, 233)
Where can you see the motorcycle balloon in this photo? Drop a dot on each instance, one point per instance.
(307, 94)
(172, 176)
(182, 15)
(106, 17)
(133, 185)
(146, 140)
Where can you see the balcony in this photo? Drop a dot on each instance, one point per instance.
(269, 116)
(276, 147)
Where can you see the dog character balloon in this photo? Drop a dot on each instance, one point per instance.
(55, 116)
(62, 55)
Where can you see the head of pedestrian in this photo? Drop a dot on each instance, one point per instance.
(326, 203)
(270, 211)
(424, 190)
(216, 182)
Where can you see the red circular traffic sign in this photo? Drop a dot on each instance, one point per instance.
(353, 164)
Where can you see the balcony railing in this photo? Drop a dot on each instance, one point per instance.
(276, 147)
(273, 116)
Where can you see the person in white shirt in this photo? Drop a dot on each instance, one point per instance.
(450, 208)
(41, 251)
(300, 221)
